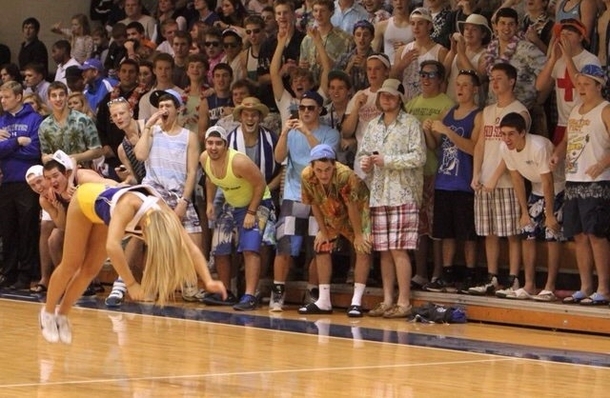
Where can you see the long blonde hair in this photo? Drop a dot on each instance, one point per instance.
(168, 262)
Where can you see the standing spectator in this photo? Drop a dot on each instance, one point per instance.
(32, 49)
(255, 33)
(166, 11)
(181, 44)
(219, 104)
(354, 62)
(581, 10)
(538, 24)
(195, 92)
(527, 156)
(19, 209)
(394, 32)
(213, 50)
(496, 209)
(133, 12)
(410, 57)
(566, 57)
(510, 48)
(442, 18)
(376, 11)
(432, 103)
(169, 27)
(116, 51)
(338, 92)
(205, 12)
(110, 134)
(246, 210)
(466, 53)
(586, 150)
(232, 44)
(96, 86)
(339, 201)
(290, 52)
(34, 81)
(163, 64)
(392, 156)
(79, 35)
(347, 13)
(362, 108)
(298, 137)
(68, 130)
(455, 134)
(170, 154)
(335, 41)
(60, 52)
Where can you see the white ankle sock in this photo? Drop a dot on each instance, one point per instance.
(358, 292)
(323, 302)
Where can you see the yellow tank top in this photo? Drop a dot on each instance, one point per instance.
(237, 191)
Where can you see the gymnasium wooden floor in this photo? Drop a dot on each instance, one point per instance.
(188, 350)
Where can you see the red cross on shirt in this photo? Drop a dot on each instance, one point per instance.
(566, 83)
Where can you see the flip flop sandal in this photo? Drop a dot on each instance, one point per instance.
(595, 299)
(312, 308)
(575, 298)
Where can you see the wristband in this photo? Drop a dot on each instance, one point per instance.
(251, 212)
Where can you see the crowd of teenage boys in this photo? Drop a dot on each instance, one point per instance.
(403, 128)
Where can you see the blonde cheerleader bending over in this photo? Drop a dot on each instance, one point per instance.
(97, 220)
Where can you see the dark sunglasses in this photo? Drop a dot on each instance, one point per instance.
(230, 45)
(211, 43)
(429, 75)
(255, 31)
(310, 108)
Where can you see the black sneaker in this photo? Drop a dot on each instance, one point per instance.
(216, 299)
(441, 285)
(248, 302)
(89, 292)
(466, 284)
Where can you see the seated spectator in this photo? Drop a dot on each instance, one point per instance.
(10, 72)
(133, 12)
(96, 85)
(75, 80)
(34, 81)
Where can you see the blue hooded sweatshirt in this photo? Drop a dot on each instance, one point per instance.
(15, 160)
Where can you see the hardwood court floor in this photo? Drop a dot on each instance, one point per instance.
(195, 351)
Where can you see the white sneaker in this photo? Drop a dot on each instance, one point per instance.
(545, 295)
(64, 328)
(276, 303)
(520, 294)
(48, 325)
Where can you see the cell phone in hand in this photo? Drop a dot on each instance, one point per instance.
(294, 114)
(122, 168)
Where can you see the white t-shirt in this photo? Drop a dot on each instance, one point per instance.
(492, 115)
(533, 161)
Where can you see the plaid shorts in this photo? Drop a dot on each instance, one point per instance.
(395, 227)
(497, 212)
(295, 224)
(190, 221)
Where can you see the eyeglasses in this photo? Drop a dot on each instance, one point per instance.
(230, 45)
(255, 31)
(429, 75)
(117, 101)
(211, 43)
(309, 108)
